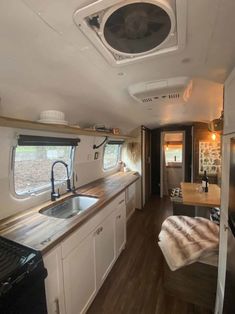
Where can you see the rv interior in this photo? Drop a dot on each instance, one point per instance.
(117, 161)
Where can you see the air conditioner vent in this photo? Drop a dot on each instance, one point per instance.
(130, 30)
(173, 91)
(174, 96)
(147, 99)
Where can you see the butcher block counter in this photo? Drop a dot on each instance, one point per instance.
(42, 232)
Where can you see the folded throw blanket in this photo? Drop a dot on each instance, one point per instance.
(184, 240)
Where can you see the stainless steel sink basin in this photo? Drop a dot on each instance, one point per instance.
(72, 206)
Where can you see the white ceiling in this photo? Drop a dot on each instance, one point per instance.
(47, 63)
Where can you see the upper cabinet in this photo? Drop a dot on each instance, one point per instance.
(229, 104)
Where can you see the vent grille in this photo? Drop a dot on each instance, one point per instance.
(174, 96)
(147, 99)
(162, 97)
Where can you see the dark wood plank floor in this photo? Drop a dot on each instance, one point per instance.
(134, 285)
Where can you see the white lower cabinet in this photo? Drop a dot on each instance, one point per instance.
(130, 200)
(54, 282)
(120, 227)
(79, 277)
(79, 265)
(104, 249)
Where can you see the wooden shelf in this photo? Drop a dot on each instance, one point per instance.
(58, 128)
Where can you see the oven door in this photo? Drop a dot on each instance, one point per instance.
(27, 296)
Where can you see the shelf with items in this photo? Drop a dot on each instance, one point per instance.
(58, 128)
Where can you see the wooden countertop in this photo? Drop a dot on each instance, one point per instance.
(192, 196)
(42, 232)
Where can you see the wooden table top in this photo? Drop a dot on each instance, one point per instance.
(192, 196)
(42, 232)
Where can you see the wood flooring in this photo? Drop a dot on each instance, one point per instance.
(135, 284)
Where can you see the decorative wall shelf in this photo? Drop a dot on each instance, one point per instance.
(58, 128)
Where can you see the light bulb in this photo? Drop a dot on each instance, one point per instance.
(213, 136)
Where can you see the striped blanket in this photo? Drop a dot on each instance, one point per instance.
(184, 240)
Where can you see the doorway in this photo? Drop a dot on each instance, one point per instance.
(172, 166)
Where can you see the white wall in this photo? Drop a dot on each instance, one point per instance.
(86, 167)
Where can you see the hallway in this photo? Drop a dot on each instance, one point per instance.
(134, 286)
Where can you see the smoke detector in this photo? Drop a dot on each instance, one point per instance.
(172, 91)
(129, 31)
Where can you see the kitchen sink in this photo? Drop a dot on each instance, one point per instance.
(70, 207)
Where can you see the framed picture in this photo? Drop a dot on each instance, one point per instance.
(209, 158)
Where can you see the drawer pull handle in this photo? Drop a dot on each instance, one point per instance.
(122, 201)
(119, 216)
(99, 230)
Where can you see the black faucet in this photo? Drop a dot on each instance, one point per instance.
(55, 195)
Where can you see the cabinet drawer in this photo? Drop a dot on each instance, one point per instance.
(119, 199)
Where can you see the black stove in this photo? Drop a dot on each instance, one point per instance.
(22, 275)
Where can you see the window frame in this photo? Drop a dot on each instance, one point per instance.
(118, 157)
(44, 188)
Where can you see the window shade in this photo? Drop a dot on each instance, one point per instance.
(30, 140)
(115, 142)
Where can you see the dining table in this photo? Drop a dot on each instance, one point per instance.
(193, 195)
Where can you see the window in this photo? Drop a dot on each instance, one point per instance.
(173, 153)
(111, 154)
(33, 160)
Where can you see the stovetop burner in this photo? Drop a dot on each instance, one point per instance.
(16, 263)
(22, 275)
(12, 257)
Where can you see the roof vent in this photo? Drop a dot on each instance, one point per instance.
(173, 90)
(128, 31)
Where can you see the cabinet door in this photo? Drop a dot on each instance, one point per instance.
(104, 248)
(120, 228)
(79, 277)
(130, 200)
(54, 282)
